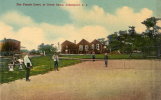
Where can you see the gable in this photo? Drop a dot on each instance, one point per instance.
(83, 42)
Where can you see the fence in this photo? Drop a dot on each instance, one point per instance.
(152, 52)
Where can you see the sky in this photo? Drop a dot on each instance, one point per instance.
(33, 25)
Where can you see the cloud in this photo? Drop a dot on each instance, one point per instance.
(159, 24)
(31, 37)
(17, 18)
(5, 30)
(72, 32)
(28, 32)
(120, 19)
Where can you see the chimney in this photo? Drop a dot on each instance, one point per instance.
(75, 41)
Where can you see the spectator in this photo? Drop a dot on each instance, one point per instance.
(93, 56)
(106, 59)
(28, 65)
(55, 57)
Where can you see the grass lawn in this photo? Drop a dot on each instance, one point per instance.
(111, 56)
(41, 65)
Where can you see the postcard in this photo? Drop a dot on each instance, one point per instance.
(80, 50)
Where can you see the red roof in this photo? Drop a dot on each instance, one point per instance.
(83, 41)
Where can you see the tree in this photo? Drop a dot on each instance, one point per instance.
(150, 22)
(152, 36)
(102, 40)
(113, 42)
(130, 41)
(47, 48)
(33, 52)
(132, 30)
(126, 41)
(24, 51)
(152, 30)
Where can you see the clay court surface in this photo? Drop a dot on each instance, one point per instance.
(122, 80)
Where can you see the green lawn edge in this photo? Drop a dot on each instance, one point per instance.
(111, 56)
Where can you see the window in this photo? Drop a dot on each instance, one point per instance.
(66, 46)
(93, 46)
(86, 47)
(80, 47)
(97, 46)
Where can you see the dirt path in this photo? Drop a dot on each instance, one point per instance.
(122, 80)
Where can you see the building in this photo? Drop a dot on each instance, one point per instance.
(97, 47)
(68, 47)
(10, 45)
(83, 47)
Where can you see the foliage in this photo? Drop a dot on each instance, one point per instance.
(34, 52)
(125, 42)
(152, 37)
(131, 41)
(47, 48)
(114, 44)
(102, 40)
(150, 22)
(24, 50)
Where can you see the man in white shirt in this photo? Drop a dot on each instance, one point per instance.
(56, 61)
(28, 65)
